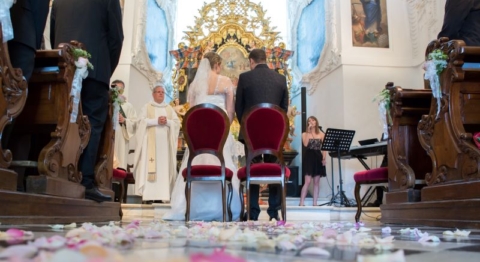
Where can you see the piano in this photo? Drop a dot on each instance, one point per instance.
(362, 152)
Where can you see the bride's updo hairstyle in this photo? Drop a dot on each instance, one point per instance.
(213, 58)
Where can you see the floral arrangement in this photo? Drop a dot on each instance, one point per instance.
(82, 57)
(117, 98)
(384, 106)
(434, 65)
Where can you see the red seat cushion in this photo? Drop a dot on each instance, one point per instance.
(119, 174)
(378, 174)
(208, 170)
(262, 170)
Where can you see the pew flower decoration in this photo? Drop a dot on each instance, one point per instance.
(384, 106)
(434, 66)
(117, 100)
(81, 58)
(81, 62)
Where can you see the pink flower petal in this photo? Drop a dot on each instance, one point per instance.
(15, 233)
(330, 233)
(216, 256)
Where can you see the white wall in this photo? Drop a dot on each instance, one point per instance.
(343, 99)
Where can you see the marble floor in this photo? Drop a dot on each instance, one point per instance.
(155, 240)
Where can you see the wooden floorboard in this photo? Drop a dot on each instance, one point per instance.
(25, 208)
(448, 213)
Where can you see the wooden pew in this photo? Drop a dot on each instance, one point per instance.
(55, 196)
(47, 113)
(407, 161)
(451, 197)
(12, 100)
(104, 165)
(447, 137)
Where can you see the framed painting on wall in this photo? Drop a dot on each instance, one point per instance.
(369, 23)
(234, 62)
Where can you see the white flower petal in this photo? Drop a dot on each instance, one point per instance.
(19, 251)
(225, 235)
(461, 233)
(398, 256)
(386, 230)
(286, 245)
(314, 251)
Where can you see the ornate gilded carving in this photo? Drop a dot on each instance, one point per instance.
(226, 26)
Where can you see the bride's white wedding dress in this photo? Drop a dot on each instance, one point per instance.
(206, 198)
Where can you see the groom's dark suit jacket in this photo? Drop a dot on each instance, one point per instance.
(462, 21)
(95, 23)
(260, 85)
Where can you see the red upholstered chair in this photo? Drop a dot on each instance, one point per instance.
(205, 128)
(119, 176)
(368, 177)
(130, 178)
(265, 130)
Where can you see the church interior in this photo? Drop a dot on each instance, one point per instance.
(398, 107)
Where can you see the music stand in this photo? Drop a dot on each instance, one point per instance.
(338, 140)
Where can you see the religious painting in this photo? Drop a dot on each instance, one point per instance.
(369, 23)
(234, 62)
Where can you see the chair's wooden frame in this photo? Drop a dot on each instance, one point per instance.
(358, 198)
(253, 153)
(218, 153)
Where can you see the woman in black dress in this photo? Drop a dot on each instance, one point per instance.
(314, 165)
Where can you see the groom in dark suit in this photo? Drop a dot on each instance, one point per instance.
(98, 25)
(261, 85)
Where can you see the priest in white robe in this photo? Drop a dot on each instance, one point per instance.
(125, 129)
(155, 164)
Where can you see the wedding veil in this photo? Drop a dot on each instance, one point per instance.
(198, 89)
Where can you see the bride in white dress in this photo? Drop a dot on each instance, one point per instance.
(206, 201)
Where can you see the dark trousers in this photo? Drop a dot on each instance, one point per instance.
(95, 106)
(274, 192)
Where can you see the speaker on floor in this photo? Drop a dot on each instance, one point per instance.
(293, 189)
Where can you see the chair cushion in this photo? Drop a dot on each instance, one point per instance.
(262, 170)
(130, 179)
(119, 174)
(208, 170)
(377, 174)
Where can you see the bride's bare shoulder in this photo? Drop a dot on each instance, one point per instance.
(225, 80)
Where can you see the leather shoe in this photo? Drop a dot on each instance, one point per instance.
(277, 218)
(252, 218)
(95, 195)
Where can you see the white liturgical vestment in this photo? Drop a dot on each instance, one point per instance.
(155, 153)
(123, 133)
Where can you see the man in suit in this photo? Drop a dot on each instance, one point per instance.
(462, 21)
(261, 85)
(28, 22)
(98, 25)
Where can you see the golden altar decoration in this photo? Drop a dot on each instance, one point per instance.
(232, 29)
